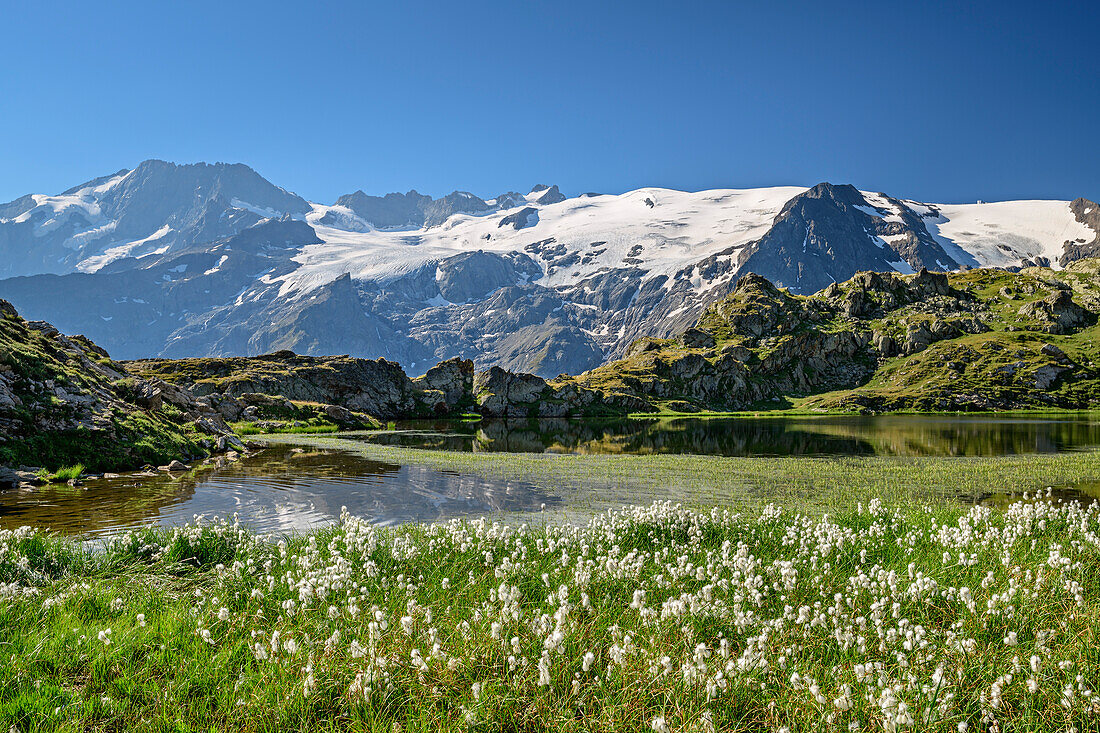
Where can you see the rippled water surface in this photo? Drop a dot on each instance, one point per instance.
(287, 488)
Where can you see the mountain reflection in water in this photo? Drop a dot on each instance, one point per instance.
(279, 489)
(285, 488)
(887, 435)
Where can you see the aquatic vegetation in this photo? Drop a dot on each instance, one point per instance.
(649, 618)
(61, 475)
(814, 484)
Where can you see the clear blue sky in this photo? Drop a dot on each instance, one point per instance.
(936, 101)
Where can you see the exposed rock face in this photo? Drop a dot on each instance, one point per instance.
(525, 217)
(391, 210)
(696, 338)
(453, 380)
(826, 233)
(550, 194)
(501, 393)
(1088, 213)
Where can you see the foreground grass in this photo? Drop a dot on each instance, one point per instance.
(814, 484)
(647, 619)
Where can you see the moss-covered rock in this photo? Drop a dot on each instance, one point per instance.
(63, 401)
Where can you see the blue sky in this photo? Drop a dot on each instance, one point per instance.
(935, 101)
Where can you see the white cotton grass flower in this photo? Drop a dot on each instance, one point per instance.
(105, 637)
(659, 725)
(141, 619)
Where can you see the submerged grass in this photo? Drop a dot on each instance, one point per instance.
(649, 619)
(813, 484)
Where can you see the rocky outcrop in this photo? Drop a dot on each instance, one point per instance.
(453, 380)
(915, 335)
(62, 400)
(1057, 313)
(375, 387)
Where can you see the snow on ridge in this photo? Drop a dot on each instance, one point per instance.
(265, 212)
(597, 233)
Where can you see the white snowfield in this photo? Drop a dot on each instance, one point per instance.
(1003, 233)
(659, 231)
(676, 231)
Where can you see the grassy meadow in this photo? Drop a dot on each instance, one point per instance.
(844, 594)
(646, 619)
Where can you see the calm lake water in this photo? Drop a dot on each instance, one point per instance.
(286, 488)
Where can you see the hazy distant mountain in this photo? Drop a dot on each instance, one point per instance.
(214, 260)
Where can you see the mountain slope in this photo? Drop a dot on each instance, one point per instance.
(536, 282)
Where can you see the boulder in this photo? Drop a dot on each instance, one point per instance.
(642, 346)
(696, 338)
(885, 345)
(1046, 376)
(339, 415)
(9, 479)
(229, 442)
(1054, 352)
(918, 336)
(927, 283)
(454, 378)
(501, 393)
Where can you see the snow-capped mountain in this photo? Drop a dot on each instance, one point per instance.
(214, 260)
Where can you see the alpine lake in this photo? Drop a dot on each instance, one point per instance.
(534, 470)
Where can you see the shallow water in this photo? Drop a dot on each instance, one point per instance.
(284, 488)
(281, 488)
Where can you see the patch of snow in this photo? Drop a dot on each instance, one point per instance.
(98, 262)
(903, 267)
(263, 211)
(218, 266)
(686, 228)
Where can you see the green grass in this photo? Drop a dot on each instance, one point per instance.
(650, 619)
(68, 473)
